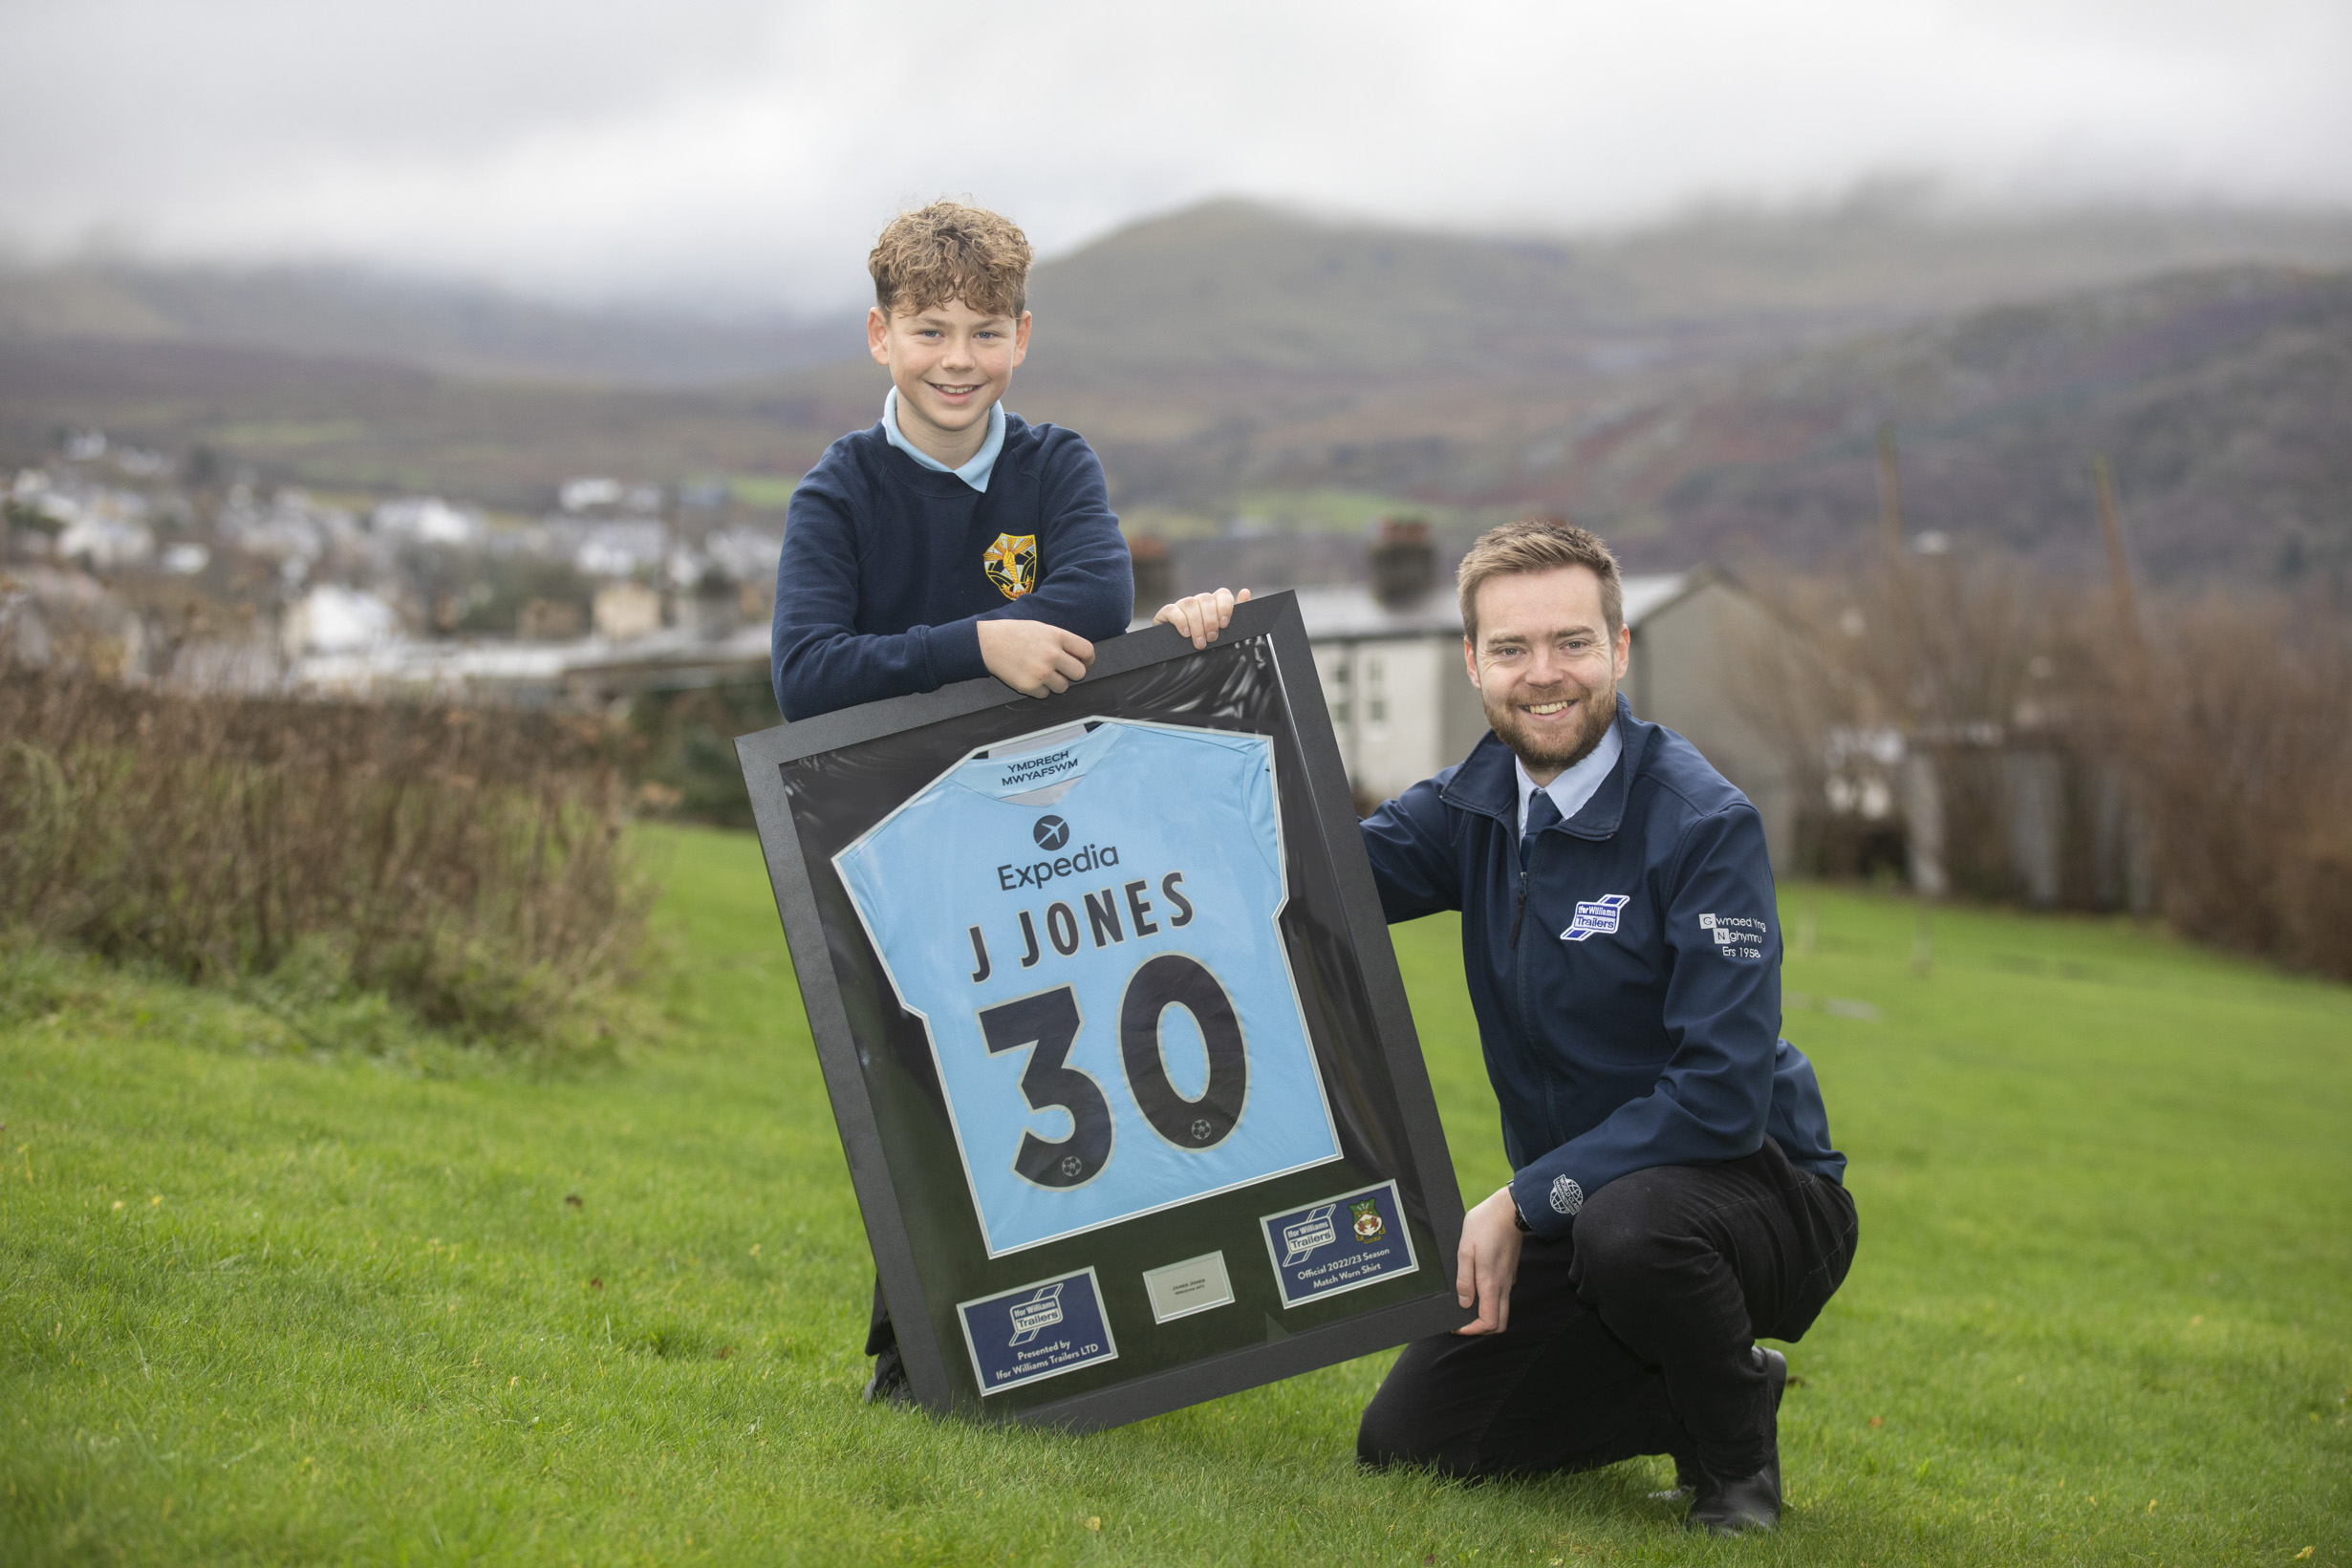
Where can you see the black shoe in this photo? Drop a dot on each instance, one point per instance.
(1747, 1502)
(889, 1384)
(1735, 1507)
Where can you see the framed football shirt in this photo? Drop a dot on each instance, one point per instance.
(1113, 1029)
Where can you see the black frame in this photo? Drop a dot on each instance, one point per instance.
(1409, 1108)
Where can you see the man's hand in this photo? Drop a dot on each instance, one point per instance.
(1491, 1240)
(1034, 658)
(1203, 615)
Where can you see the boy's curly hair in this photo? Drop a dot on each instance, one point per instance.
(951, 251)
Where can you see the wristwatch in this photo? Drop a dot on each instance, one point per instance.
(1518, 1219)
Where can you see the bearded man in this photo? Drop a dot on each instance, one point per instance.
(1676, 1194)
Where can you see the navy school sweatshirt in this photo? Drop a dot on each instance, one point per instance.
(888, 566)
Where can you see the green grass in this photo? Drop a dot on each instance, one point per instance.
(763, 492)
(262, 1302)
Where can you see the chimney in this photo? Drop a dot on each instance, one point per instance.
(1155, 573)
(1404, 561)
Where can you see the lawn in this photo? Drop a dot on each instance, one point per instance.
(262, 1302)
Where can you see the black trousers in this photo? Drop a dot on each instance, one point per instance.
(880, 1336)
(1632, 1336)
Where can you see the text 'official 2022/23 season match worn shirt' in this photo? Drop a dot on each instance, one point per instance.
(1088, 929)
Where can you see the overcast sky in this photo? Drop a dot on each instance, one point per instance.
(734, 152)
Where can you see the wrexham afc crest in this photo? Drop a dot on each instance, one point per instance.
(1011, 564)
(1367, 1221)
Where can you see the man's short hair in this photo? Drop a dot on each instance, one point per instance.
(951, 251)
(1539, 544)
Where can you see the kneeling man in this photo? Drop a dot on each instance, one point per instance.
(1676, 1191)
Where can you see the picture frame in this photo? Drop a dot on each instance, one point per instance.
(1168, 1289)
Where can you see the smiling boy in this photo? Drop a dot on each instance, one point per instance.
(952, 539)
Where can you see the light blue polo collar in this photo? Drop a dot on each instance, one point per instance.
(1575, 786)
(974, 473)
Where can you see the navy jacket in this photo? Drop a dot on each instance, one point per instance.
(1630, 1007)
(884, 578)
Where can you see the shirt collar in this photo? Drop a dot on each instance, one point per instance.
(1576, 784)
(974, 473)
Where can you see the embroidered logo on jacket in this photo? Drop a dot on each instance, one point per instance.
(1598, 918)
(1011, 564)
(1736, 936)
(1567, 1197)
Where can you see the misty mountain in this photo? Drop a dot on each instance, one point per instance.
(1234, 287)
(365, 429)
(2222, 399)
(1709, 389)
(456, 330)
(1228, 290)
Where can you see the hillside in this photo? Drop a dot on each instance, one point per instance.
(455, 330)
(2223, 399)
(363, 425)
(1708, 388)
(1232, 286)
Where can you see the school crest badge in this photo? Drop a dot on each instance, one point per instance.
(1367, 1221)
(1011, 564)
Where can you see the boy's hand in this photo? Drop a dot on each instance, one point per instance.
(1033, 658)
(1203, 615)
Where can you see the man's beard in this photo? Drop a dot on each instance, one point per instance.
(1558, 753)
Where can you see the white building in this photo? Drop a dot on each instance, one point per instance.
(427, 519)
(332, 619)
(625, 610)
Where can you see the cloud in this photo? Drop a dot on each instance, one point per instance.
(735, 153)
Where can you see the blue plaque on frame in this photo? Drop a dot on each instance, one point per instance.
(1342, 1243)
(1039, 1331)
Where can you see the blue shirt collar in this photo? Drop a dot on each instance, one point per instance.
(1575, 786)
(974, 473)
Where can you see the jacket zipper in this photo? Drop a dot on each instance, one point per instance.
(1518, 1012)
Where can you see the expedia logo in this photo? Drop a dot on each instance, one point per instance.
(1037, 874)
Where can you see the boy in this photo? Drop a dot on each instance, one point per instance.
(952, 540)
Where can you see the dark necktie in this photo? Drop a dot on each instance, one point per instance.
(1542, 813)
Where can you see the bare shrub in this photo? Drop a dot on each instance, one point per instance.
(2193, 759)
(469, 862)
(1938, 687)
(2245, 761)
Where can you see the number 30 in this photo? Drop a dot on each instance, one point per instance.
(1049, 1021)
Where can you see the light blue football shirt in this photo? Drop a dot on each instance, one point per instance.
(1107, 992)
